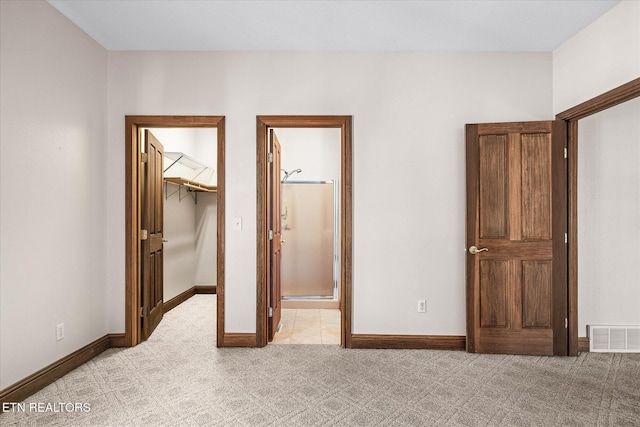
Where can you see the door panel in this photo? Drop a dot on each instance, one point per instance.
(536, 294)
(516, 213)
(493, 186)
(274, 224)
(536, 187)
(494, 309)
(152, 221)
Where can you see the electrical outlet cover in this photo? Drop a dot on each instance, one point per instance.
(422, 306)
(59, 331)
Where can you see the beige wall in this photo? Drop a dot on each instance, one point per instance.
(315, 151)
(409, 113)
(53, 81)
(609, 217)
(604, 55)
(601, 57)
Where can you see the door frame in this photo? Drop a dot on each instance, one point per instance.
(618, 95)
(344, 123)
(133, 124)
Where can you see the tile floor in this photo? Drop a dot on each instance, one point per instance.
(309, 326)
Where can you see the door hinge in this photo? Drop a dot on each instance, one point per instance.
(144, 311)
(144, 234)
(270, 311)
(566, 154)
(270, 234)
(144, 157)
(566, 238)
(566, 323)
(270, 158)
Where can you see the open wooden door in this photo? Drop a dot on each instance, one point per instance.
(516, 238)
(152, 226)
(275, 234)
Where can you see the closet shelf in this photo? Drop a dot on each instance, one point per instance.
(198, 169)
(196, 186)
(185, 160)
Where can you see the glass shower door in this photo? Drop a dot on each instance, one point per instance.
(308, 234)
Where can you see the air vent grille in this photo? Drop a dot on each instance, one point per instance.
(614, 339)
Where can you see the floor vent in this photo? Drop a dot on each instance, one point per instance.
(614, 339)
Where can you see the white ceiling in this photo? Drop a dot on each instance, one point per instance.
(397, 25)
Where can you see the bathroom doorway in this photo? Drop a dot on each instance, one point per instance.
(312, 272)
(310, 236)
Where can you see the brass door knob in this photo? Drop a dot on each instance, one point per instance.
(474, 250)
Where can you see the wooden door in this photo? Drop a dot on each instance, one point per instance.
(152, 221)
(275, 234)
(516, 231)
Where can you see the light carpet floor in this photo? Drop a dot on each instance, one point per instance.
(178, 378)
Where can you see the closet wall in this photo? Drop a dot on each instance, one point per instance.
(190, 219)
(206, 232)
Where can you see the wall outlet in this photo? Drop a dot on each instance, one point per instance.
(422, 306)
(59, 331)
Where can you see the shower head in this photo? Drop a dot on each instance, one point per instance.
(288, 174)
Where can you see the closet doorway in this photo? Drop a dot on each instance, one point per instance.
(193, 168)
(189, 190)
(297, 170)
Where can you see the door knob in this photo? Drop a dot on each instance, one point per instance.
(473, 250)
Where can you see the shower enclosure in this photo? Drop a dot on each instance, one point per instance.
(309, 269)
